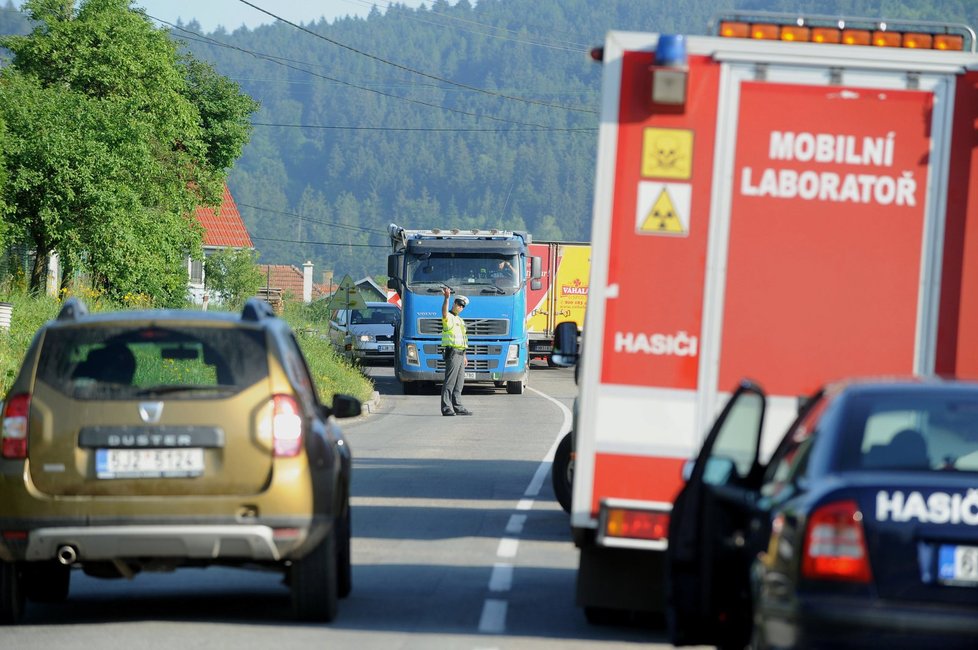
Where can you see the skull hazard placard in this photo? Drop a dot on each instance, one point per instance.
(667, 153)
(663, 208)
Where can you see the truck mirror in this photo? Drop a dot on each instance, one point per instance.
(392, 272)
(536, 284)
(565, 345)
(535, 269)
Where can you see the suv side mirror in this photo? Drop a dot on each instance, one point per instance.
(345, 406)
(565, 352)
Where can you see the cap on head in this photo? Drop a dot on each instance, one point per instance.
(463, 300)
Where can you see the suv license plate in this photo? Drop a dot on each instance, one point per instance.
(149, 463)
(385, 348)
(958, 565)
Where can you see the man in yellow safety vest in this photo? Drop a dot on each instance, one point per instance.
(454, 341)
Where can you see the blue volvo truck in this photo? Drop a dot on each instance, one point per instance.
(490, 267)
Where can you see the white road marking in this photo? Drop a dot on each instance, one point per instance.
(508, 547)
(515, 524)
(493, 619)
(501, 578)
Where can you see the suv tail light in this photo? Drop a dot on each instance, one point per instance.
(286, 426)
(14, 434)
(835, 544)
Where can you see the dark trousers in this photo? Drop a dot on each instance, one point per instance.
(451, 390)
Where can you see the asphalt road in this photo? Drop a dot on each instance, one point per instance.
(458, 543)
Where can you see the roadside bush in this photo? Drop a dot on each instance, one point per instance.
(332, 372)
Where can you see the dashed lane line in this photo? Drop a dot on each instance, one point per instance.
(493, 619)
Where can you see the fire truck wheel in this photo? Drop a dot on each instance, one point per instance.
(562, 473)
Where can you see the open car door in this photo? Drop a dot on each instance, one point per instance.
(708, 573)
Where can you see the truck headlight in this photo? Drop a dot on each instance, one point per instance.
(513, 356)
(411, 354)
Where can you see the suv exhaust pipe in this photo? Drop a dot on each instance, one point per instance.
(67, 555)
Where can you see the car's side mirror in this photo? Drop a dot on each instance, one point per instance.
(565, 352)
(345, 406)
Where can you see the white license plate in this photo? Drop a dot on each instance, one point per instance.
(470, 375)
(149, 463)
(385, 348)
(958, 565)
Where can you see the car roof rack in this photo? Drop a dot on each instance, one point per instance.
(72, 309)
(256, 309)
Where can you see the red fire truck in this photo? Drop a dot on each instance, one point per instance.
(790, 200)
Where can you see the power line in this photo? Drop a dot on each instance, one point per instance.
(273, 59)
(425, 129)
(577, 47)
(310, 219)
(418, 72)
(321, 243)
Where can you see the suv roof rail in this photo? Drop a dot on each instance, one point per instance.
(256, 309)
(73, 309)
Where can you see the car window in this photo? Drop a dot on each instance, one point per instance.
(299, 374)
(125, 362)
(736, 442)
(790, 460)
(374, 316)
(917, 433)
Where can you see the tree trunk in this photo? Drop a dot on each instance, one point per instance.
(39, 273)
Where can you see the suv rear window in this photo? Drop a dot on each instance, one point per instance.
(125, 362)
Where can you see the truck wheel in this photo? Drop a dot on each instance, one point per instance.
(344, 570)
(11, 594)
(46, 582)
(515, 387)
(562, 473)
(314, 582)
(410, 387)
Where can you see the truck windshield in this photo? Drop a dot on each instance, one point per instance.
(496, 273)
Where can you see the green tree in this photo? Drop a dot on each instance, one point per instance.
(234, 275)
(4, 225)
(115, 139)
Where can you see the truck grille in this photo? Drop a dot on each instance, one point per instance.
(473, 351)
(473, 326)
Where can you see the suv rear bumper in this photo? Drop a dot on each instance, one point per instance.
(253, 542)
(274, 540)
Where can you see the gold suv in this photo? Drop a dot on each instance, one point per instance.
(162, 439)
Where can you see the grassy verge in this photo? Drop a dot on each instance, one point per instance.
(331, 372)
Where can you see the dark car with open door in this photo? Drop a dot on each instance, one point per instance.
(861, 530)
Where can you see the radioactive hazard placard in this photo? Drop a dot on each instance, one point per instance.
(663, 209)
(667, 153)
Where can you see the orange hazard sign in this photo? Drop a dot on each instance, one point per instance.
(663, 209)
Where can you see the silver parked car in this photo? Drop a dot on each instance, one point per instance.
(366, 334)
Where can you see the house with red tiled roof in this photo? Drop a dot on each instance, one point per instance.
(288, 282)
(223, 228)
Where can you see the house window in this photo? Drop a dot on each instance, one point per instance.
(197, 271)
